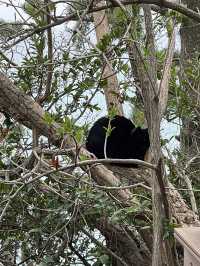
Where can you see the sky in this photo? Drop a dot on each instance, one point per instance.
(8, 12)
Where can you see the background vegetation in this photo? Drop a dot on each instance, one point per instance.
(63, 64)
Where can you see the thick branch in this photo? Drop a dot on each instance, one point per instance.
(25, 110)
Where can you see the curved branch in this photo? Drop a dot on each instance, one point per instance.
(29, 113)
(164, 3)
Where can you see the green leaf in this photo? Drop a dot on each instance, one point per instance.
(125, 68)
(79, 135)
(83, 157)
(112, 112)
(65, 56)
(67, 125)
(4, 188)
(103, 83)
(48, 118)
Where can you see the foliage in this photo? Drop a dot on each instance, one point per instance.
(46, 208)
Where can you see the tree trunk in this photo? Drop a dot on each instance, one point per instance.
(153, 102)
(190, 49)
(126, 242)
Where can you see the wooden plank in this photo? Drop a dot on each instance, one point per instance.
(189, 237)
(189, 259)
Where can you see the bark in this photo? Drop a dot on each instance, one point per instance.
(25, 110)
(151, 102)
(155, 100)
(50, 57)
(190, 38)
(111, 90)
(126, 242)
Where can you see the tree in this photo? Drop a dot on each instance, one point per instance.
(58, 206)
(189, 69)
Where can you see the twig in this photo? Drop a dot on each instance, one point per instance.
(104, 248)
(168, 4)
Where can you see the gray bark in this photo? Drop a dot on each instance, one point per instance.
(190, 49)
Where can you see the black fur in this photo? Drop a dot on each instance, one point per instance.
(125, 141)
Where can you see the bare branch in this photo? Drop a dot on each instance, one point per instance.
(164, 84)
(164, 3)
(50, 56)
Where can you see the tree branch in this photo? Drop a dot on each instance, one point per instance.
(164, 84)
(164, 3)
(50, 56)
(29, 113)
